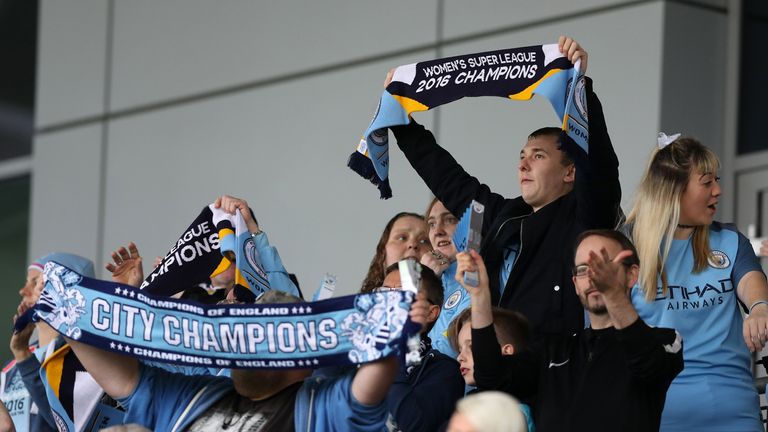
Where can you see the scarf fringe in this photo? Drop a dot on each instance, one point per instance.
(364, 167)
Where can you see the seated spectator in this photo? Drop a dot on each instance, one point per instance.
(612, 376)
(422, 396)
(404, 236)
(490, 411)
(271, 399)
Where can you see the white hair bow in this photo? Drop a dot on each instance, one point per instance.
(665, 140)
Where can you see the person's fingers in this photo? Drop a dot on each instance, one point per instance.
(388, 78)
(217, 203)
(572, 49)
(110, 267)
(478, 261)
(748, 338)
(124, 253)
(116, 258)
(560, 42)
(133, 249)
(621, 256)
(604, 255)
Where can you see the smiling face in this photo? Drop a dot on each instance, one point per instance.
(407, 239)
(698, 203)
(442, 225)
(542, 175)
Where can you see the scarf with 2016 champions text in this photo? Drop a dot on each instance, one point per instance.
(346, 330)
(516, 73)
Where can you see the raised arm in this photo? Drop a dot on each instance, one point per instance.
(597, 187)
(372, 380)
(516, 374)
(117, 374)
(653, 354)
(126, 266)
(443, 175)
(270, 258)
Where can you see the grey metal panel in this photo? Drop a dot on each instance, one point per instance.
(71, 58)
(171, 48)
(463, 17)
(65, 192)
(693, 87)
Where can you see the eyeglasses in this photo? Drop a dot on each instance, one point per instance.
(581, 270)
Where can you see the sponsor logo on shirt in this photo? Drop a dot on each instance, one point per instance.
(696, 297)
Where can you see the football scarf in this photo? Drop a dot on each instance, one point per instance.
(74, 396)
(237, 246)
(206, 248)
(516, 73)
(347, 330)
(193, 259)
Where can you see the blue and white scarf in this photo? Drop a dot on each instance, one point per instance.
(238, 246)
(346, 330)
(516, 73)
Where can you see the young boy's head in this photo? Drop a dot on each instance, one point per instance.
(512, 333)
(431, 285)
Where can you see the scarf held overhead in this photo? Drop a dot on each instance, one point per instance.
(346, 330)
(516, 73)
(202, 251)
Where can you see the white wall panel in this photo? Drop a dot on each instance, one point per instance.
(284, 148)
(486, 135)
(71, 57)
(171, 48)
(65, 192)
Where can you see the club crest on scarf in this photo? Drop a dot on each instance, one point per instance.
(370, 328)
(62, 305)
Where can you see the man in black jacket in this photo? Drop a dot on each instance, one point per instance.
(526, 240)
(612, 376)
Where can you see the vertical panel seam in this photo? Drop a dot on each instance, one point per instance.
(102, 198)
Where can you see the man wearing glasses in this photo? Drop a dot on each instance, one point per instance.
(610, 376)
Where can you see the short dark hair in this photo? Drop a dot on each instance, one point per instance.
(274, 296)
(557, 133)
(614, 235)
(511, 328)
(430, 283)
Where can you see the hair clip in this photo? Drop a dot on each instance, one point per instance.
(665, 140)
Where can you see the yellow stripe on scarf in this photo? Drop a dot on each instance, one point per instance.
(54, 368)
(410, 105)
(223, 265)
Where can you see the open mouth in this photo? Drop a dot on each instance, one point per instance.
(443, 243)
(464, 371)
